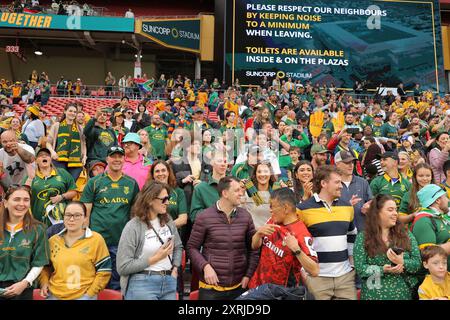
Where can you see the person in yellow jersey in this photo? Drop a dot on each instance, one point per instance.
(436, 285)
(80, 264)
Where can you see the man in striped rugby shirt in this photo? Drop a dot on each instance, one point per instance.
(330, 220)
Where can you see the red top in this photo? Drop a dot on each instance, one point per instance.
(277, 261)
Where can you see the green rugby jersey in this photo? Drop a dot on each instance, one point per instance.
(20, 251)
(385, 185)
(43, 188)
(157, 138)
(111, 204)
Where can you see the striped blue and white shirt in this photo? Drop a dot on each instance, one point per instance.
(334, 232)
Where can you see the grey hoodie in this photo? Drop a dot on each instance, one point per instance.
(130, 249)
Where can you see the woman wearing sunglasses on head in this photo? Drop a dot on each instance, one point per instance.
(150, 248)
(80, 265)
(23, 245)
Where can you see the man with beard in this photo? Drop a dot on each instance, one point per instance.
(14, 157)
(319, 155)
(333, 237)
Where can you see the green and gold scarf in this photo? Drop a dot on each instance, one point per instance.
(68, 145)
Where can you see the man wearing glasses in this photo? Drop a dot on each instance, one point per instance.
(99, 136)
(108, 198)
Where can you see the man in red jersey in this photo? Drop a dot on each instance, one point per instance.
(287, 244)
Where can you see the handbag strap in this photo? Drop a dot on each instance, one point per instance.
(161, 240)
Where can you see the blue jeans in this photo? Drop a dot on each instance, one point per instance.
(74, 171)
(151, 287)
(114, 282)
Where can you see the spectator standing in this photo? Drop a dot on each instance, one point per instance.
(14, 158)
(20, 264)
(150, 248)
(75, 245)
(134, 165)
(225, 266)
(129, 14)
(110, 81)
(286, 244)
(67, 143)
(386, 254)
(33, 127)
(330, 220)
(108, 198)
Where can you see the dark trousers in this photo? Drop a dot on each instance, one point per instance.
(114, 282)
(27, 294)
(211, 294)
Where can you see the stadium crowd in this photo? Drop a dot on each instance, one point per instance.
(263, 190)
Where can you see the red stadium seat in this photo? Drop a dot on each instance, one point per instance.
(183, 260)
(358, 294)
(36, 295)
(109, 294)
(193, 295)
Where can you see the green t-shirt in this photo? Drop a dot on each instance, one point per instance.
(383, 185)
(367, 121)
(22, 252)
(43, 188)
(204, 196)
(111, 204)
(177, 203)
(429, 233)
(157, 137)
(389, 131)
(285, 160)
(376, 130)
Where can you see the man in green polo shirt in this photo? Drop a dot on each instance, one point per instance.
(430, 227)
(108, 198)
(205, 193)
(157, 135)
(392, 182)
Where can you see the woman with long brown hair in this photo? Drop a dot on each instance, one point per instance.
(256, 200)
(422, 176)
(162, 172)
(386, 255)
(150, 248)
(23, 243)
(67, 143)
(303, 174)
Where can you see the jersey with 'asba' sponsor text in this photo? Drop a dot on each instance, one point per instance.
(277, 261)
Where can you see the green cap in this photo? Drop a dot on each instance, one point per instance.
(318, 148)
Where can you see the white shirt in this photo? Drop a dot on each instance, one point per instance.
(152, 244)
(129, 14)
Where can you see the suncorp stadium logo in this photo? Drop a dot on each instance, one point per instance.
(279, 74)
(174, 32)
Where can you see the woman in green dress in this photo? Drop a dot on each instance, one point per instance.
(386, 255)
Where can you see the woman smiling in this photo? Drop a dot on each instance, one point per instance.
(23, 244)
